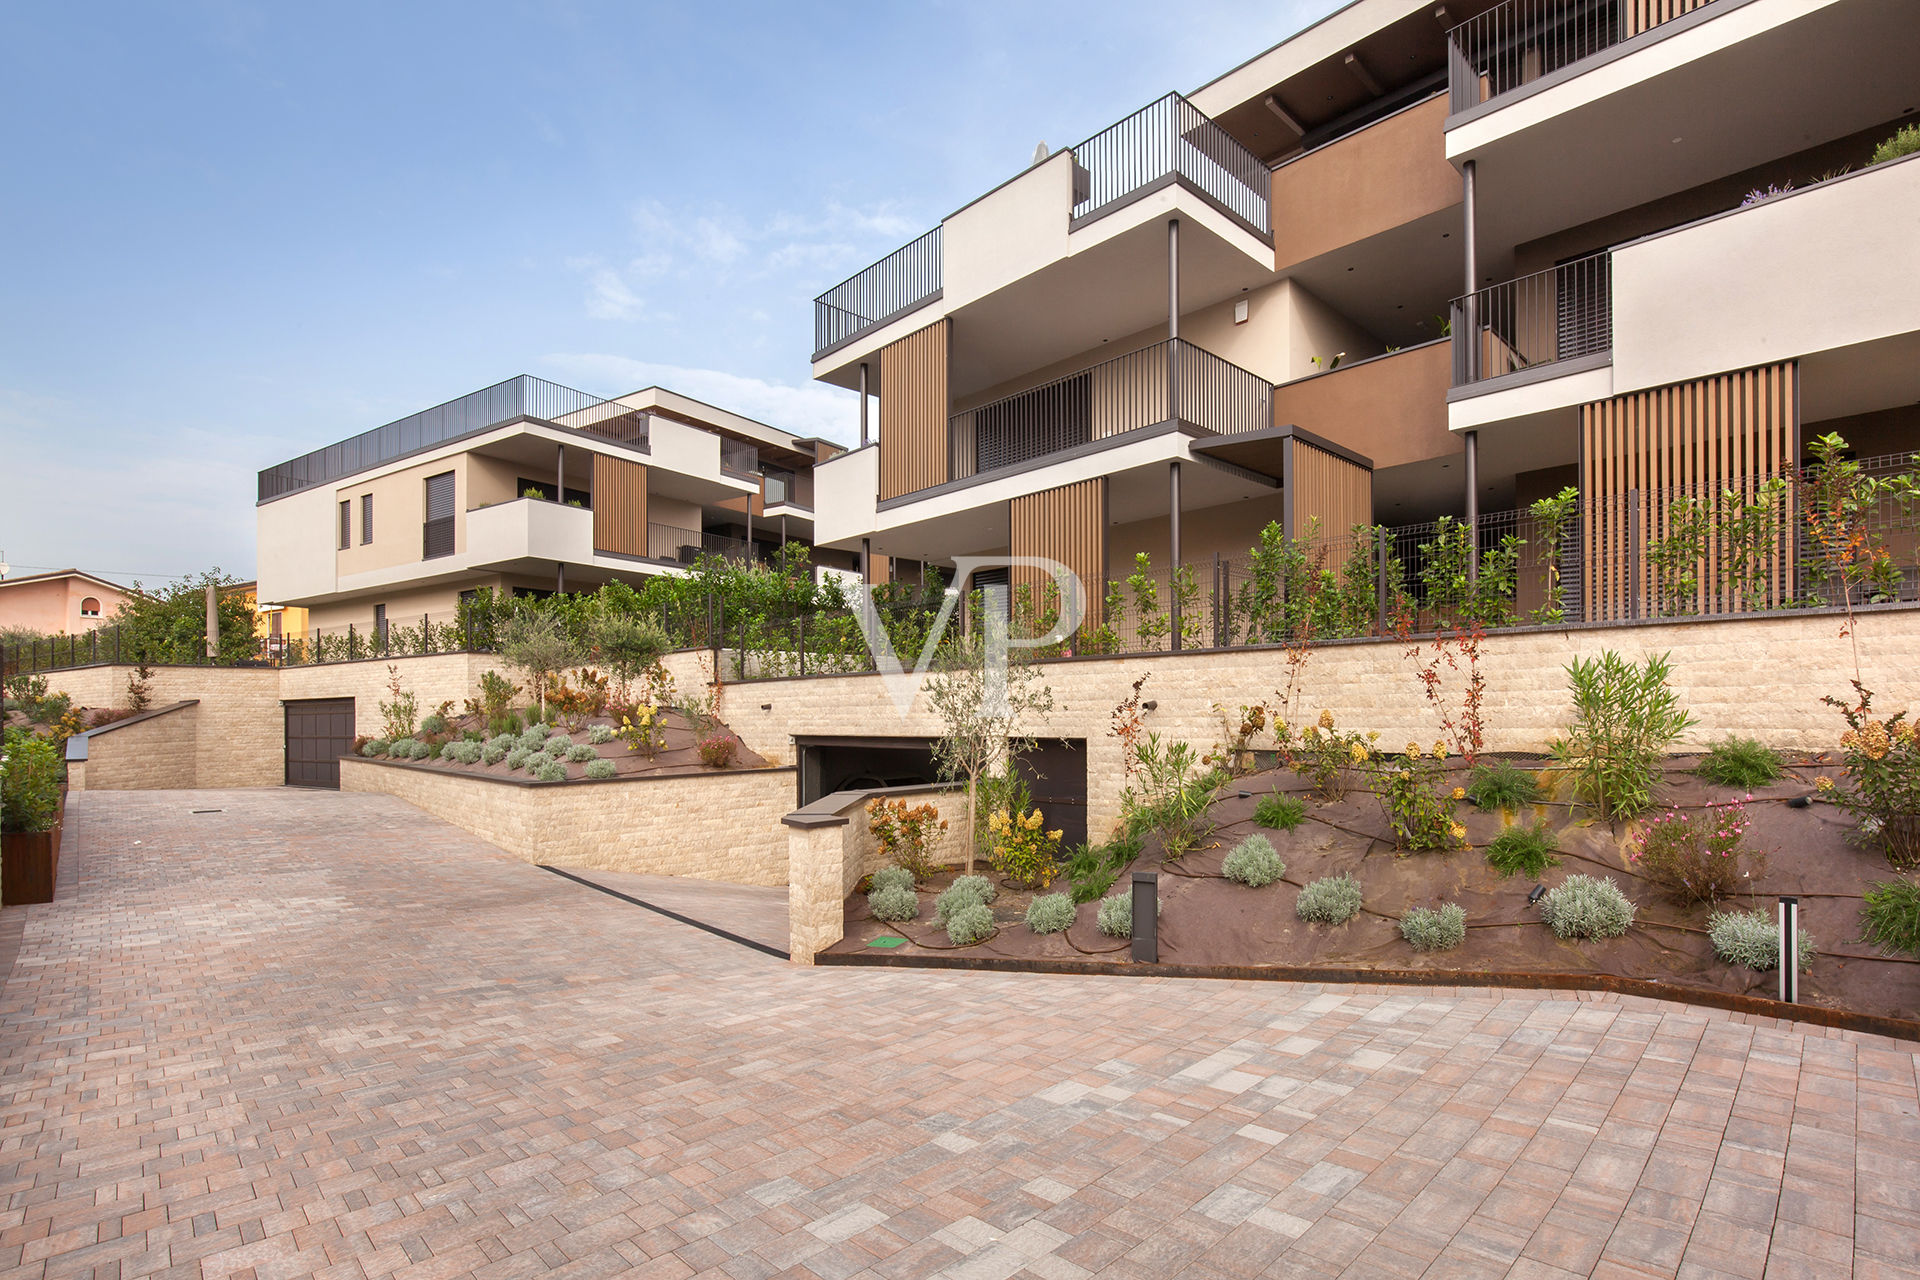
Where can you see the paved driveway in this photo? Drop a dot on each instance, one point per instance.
(319, 1033)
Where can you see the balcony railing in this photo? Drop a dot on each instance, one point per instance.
(789, 488)
(1167, 141)
(521, 397)
(671, 542)
(905, 280)
(739, 457)
(1516, 43)
(1125, 394)
(1562, 313)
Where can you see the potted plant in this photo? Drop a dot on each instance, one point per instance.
(29, 817)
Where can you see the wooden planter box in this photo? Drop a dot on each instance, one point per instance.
(29, 864)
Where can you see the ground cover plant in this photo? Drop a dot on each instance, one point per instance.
(1741, 762)
(1524, 850)
(1586, 907)
(1502, 785)
(1751, 940)
(1280, 812)
(1439, 928)
(1332, 900)
(1253, 863)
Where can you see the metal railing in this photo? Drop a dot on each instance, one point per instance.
(684, 546)
(739, 457)
(907, 278)
(789, 488)
(520, 397)
(1167, 140)
(1127, 393)
(1516, 43)
(1562, 313)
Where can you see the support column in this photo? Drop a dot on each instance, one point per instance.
(863, 404)
(560, 475)
(1173, 319)
(1471, 308)
(866, 561)
(1472, 441)
(1173, 548)
(560, 577)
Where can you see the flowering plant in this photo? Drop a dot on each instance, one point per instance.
(1696, 857)
(642, 728)
(1022, 850)
(1883, 767)
(1323, 754)
(1413, 793)
(905, 833)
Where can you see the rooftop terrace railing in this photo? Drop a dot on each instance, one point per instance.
(905, 280)
(1164, 142)
(1516, 43)
(1562, 313)
(519, 397)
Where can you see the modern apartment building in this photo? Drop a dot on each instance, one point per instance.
(1419, 260)
(524, 487)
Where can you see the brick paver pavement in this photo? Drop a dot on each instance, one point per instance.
(324, 1034)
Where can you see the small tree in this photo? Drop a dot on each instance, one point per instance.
(627, 645)
(536, 644)
(983, 712)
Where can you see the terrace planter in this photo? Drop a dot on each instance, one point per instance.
(29, 864)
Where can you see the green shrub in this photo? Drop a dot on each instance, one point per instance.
(970, 924)
(374, 749)
(1282, 813)
(423, 750)
(1414, 795)
(493, 753)
(1502, 785)
(1050, 913)
(893, 902)
(1625, 718)
(601, 770)
(1093, 868)
(507, 722)
(964, 890)
(1116, 915)
(1696, 856)
(435, 723)
(1750, 939)
(462, 752)
(533, 738)
(600, 734)
(518, 757)
(1524, 851)
(550, 770)
(1586, 907)
(1439, 928)
(580, 753)
(400, 749)
(504, 741)
(30, 783)
(558, 741)
(1904, 142)
(1332, 900)
(1254, 862)
(1741, 762)
(1890, 920)
(1170, 796)
(900, 877)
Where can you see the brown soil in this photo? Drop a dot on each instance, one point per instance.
(1210, 921)
(679, 754)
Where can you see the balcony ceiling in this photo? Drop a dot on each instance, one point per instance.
(1395, 285)
(1113, 289)
(1835, 70)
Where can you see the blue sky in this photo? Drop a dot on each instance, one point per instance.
(240, 231)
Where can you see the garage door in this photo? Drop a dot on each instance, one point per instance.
(319, 732)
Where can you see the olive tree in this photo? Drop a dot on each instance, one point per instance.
(985, 704)
(536, 644)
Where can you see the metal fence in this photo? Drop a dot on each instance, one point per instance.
(1558, 314)
(1516, 43)
(907, 278)
(1168, 139)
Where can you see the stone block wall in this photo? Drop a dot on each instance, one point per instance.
(151, 753)
(716, 826)
(826, 861)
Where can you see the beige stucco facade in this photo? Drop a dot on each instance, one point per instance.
(65, 603)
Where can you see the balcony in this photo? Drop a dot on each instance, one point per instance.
(1112, 400)
(1520, 42)
(1562, 316)
(1391, 408)
(528, 530)
(684, 546)
(903, 281)
(1167, 142)
(739, 457)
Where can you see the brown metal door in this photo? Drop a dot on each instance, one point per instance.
(319, 732)
(1056, 775)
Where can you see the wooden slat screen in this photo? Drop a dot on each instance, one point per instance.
(1641, 15)
(619, 506)
(1068, 524)
(913, 412)
(1337, 491)
(1641, 451)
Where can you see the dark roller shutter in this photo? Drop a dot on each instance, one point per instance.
(437, 537)
(319, 732)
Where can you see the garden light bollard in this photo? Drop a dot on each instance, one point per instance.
(1146, 917)
(1790, 950)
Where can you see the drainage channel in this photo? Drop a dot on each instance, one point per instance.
(702, 925)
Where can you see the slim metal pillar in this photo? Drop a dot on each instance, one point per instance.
(1173, 548)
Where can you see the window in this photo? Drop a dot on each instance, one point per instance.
(380, 625)
(346, 524)
(366, 518)
(90, 608)
(437, 535)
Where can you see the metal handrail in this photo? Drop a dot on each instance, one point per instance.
(1562, 313)
(1171, 139)
(906, 279)
(1516, 43)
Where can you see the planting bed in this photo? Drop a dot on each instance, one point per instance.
(1210, 922)
(678, 753)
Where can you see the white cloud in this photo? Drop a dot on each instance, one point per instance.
(608, 296)
(809, 409)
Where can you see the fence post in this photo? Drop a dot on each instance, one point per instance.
(1636, 551)
(116, 645)
(800, 619)
(1219, 640)
(93, 645)
(1380, 581)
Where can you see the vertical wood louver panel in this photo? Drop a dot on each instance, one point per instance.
(913, 412)
(1335, 491)
(1068, 524)
(1642, 452)
(619, 506)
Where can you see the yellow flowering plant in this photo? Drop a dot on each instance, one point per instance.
(1413, 794)
(642, 728)
(1324, 755)
(1023, 850)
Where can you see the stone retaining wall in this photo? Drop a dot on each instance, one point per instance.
(151, 752)
(722, 825)
(829, 849)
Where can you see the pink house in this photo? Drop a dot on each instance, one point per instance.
(63, 602)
